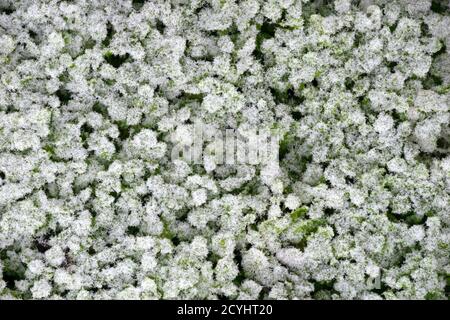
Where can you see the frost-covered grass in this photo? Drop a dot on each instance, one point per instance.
(94, 96)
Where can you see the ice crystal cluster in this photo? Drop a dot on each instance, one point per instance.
(94, 95)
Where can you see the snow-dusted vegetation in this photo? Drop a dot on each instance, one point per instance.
(95, 96)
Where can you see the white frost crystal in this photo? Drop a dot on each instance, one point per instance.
(95, 96)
